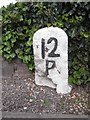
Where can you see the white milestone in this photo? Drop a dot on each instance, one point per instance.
(50, 46)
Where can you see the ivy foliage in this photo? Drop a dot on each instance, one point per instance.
(21, 20)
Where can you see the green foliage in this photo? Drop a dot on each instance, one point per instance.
(20, 21)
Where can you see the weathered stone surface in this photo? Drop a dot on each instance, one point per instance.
(51, 58)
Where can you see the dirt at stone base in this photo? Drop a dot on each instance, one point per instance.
(23, 95)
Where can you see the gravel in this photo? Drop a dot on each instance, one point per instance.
(23, 95)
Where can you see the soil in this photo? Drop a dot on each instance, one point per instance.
(23, 95)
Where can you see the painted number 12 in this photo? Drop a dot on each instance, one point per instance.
(52, 53)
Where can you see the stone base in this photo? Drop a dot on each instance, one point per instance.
(60, 88)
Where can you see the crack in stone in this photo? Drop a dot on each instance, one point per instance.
(45, 76)
(58, 70)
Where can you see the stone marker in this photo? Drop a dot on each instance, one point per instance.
(50, 46)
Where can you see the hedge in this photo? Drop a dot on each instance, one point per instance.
(21, 20)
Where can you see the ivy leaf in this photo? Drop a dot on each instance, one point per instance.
(85, 34)
(26, 58)
(31, 66)
(12, 55)
(29, 21)
(21, 18)
(29, 42)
